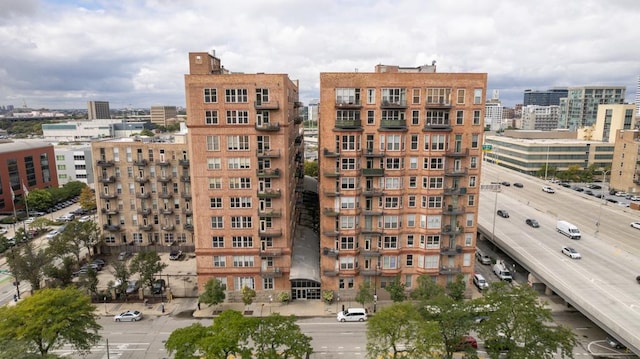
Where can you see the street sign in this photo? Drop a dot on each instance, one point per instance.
(487, 148)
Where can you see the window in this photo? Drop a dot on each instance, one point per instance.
(392, 202)
(240, 202)
(435, 202)
(460, 117)
(395, 96)
(410, 240)
(238, 143)
(438, 142)
(394, 143)
(473, 162)
(461, 94)
(236, 96)
(413, 163)
(62, 167)
(348, 163)
(474, 140)
(241, 222)
(477, 96)
(439, 95)
(436, 182)
(392, 183)
(237, 117)
(215, 202)
(426, 142)
(267, 283)
(347, 96)
(390, 262)
(437, 118)
(471, 200)
(216, 222)
(217, 242)
(214, 163)
(348, 183)
(242, 242)
(393, 163)
(433, 242)
(371, 96)
(409, 260)
(238, 163)
(347, 202)
(431, 261)
(211, 117)
(371, 117)
(469, 221)
(472, 181)
(262, 95)
(347, 222)
(347, 263)
(414, 143)
(219, 261)
(415, 117)
(413, 181)
(213, 143)
(243, 261)
(392, 115)
(437, 163)
(411, 220)
(390, 242)
(215, 183)
(241, 282)
(391, 222)
(210, 95)
(468, 238)
(239, 182)
(415, 98)
(466, 259)
(476, 117)
(347, 242)
(348, 143)
(412, 201)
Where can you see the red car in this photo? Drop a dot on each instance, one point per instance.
(467, 342)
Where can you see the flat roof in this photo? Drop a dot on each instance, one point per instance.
(21, 145)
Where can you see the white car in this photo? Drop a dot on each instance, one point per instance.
(3, 230)
(29, 220)
(570, 252)
(548, 189)
(635, 225)
(84, 219)
(128, 316)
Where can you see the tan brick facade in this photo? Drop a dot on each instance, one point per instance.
(400, 157)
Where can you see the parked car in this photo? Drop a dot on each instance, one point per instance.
(467, 342)
(635, 198)
(548, 189)
(571, 252)
(621, 194)
(3, 230)
(518, 184)
(123, 256)
(503, 213)
(128, 316)
(175, 255)
(132, 287)
(482, 258)
(84, 219)
(532, 222)
(635, 225)
(588, 192)
(612, 200)
(578, 189)
(158, 286)
(480, 282)
(36, 213)
(614, 343)
(565, 185)
(29, 220)
(66, 217)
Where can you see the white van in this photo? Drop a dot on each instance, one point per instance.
(353, 315)
(500, 269)
(568, 229)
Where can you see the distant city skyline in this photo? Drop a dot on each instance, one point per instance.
(135, 54)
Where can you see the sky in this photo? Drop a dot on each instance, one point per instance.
(59, 54)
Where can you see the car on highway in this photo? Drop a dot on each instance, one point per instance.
(548, 189)
(621, 194)
(635, 198)
(635, 225)
(128, 316)
(503, 213)
(518, 184)
(505, 183)
(532, 222)
(594, 186)
(571, 252)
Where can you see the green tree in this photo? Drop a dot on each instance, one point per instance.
(121, 274)
(89, 282)
(148, 265)
(547, 170)
(89, 235)
(426, 288)
(396, 290)
(573, 173)
(147, 132)
(452, 318)
(40, 224)
(184, 343)
(247, 295)
(28, 264)
(39, 200)
(87, 199)
(69, 242)
(311, 168)
(398, 331)
(365, 293)
(49, 319)
(456, 289)
(61, 276)
(521, 322)
(73, 188)
(173, 127)
(213, 292)
(277, 336)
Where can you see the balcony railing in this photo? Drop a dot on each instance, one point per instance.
(270, 272)
(331, 212)
(271, 252)
(183, 162)
(388, 103)
(143, 195)
(268, 153)
(330, 154)
(398, 125)
(372, 212)
(185, 179)
(297, 120)
(165, 179)
(166, 211)
(370, 253)
(446, 270)
(371, 153)
(268, 173)
(270, 232)
(372, 192)
(163, 163)
(108, 195)
(185, 195)
(187, 211)
(140, 162)
(274, 213)
(371, 230)
(451, 251)
(188, 226)
(329, 272)
(460, 152)
(444, 104)
(437, 126)
(449, 230)
(111, 227)
(144, 211)
(145, 227)
(373, 172)
(456, 171)
(165, 195)
(268, 126)
(332, 193)
(108, 179)
(348, 104)
(168, 227)
(269, 193)
(142, 179)
(331, 173)
(454, 191)
(333, 233)
(453, 210)
(105, 163)
(270, 105)
(109, 211)
(349, 124)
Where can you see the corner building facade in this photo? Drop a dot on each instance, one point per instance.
(400, 157)
(246, 150)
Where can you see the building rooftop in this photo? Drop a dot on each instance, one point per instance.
(21, 145)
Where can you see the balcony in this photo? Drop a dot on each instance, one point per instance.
(371, 153)
(165, 179)
(372, 192)
(333, 233)
(455, 191)
(449, 230)
(274, 213)
(348, 104)
(442, 104)
(458, 153)
(188, 227)
(371, 230)
(449, 251)
(145, 227)
(168, 227)
(393, 125)
(144, 211)
(373, 172)
(143, 195)
(373, 212)
(272, 127)
(393, 104)
(370, 253)
(268, 153)
(185, 179)
(183, 162)
(456, 172)
(334, 193)
(142, 179)
(331, 173)
(329, 272)
(140, 162)
(348, 125)
(109, 211)
(187, 211)
(165, 195)
(108, 179)
(105, 163)
(166, 211)
(269, 193)
(269, 105)
(297, 120)
(453, 210)
(271, 272)
(271, 252)
(370, 272)
(185, 195)
(331, 212)
(268, 173)
(270, 232)
(297, 104)
(330, 154)
(111, 227)
(446, 270)
(108, 195)
(437, 126)
(163, 163)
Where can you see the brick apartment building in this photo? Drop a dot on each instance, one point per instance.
(143, 193)
(246, 149)
(400, 157)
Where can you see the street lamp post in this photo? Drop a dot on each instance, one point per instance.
(375, 288)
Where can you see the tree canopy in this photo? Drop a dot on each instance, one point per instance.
(213, 292)
(148, 265)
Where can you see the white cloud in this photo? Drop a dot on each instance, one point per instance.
(62, 53)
